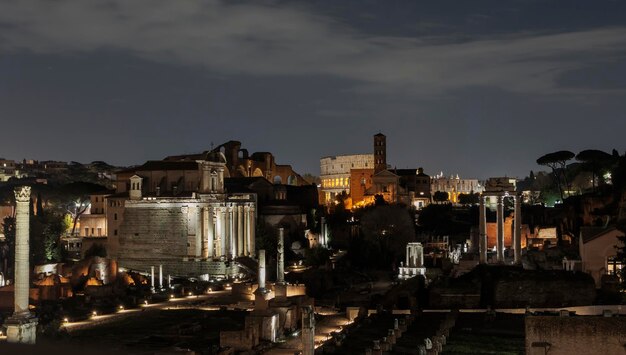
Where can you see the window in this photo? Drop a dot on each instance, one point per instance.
(115, 232)
(115, 216)
(86, 232)
(614, 266)
(99, 232)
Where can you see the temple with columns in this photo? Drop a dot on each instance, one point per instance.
(193, 231)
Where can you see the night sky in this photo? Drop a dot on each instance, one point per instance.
(478, 88)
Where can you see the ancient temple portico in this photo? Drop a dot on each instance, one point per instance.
(501, 189)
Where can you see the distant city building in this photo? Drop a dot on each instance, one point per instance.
(408, 186)
(93, 223)
(336, 173)
(364, 176)
(454, 186)
(8, 169)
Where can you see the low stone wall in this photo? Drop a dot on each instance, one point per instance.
(543, 293)
(578, 335)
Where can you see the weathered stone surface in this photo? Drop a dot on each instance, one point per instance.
(575, 335)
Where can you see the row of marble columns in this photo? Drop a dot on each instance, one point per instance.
(414, 255)
(517, 229)
(226, 232)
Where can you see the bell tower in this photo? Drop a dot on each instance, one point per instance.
(380, 153)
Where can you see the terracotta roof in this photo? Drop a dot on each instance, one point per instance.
(590, 233)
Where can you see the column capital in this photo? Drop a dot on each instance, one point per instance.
(22, 194)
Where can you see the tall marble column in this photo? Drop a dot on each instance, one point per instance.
(233, 236)
(252, 230)
(222, 223)
(22, 326)
(22, 249)
(482, 231)
(160, 276)
(240, 239)
(500, 227)
(246, 236)
(196, 215)
(205, 232)
(420, 255)
(408, 255)
(212, 232)
(517, 231)
(280, 267)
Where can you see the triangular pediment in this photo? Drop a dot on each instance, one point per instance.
(385, 173)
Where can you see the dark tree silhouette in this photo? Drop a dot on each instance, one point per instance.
(557, 161)
(594, 161)
(440, 196)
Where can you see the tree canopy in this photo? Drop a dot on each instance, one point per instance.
(557, 161)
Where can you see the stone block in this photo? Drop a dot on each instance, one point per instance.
(21, 330)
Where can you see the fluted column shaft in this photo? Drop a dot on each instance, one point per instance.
(223, 238)
(251, 228)
(22, 248)
(240, 238)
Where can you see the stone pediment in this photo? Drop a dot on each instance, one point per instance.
(385, 173)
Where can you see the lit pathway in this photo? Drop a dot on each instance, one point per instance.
(328, 324)
(120, 314)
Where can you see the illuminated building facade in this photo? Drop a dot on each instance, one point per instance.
(178, 214)
(454, 186)
(335, 173)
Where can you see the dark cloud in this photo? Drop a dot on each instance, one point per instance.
(134, 80)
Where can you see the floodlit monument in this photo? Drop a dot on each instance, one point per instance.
(414, 261)
(190, 230)
(501, 188)
(22, 325)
